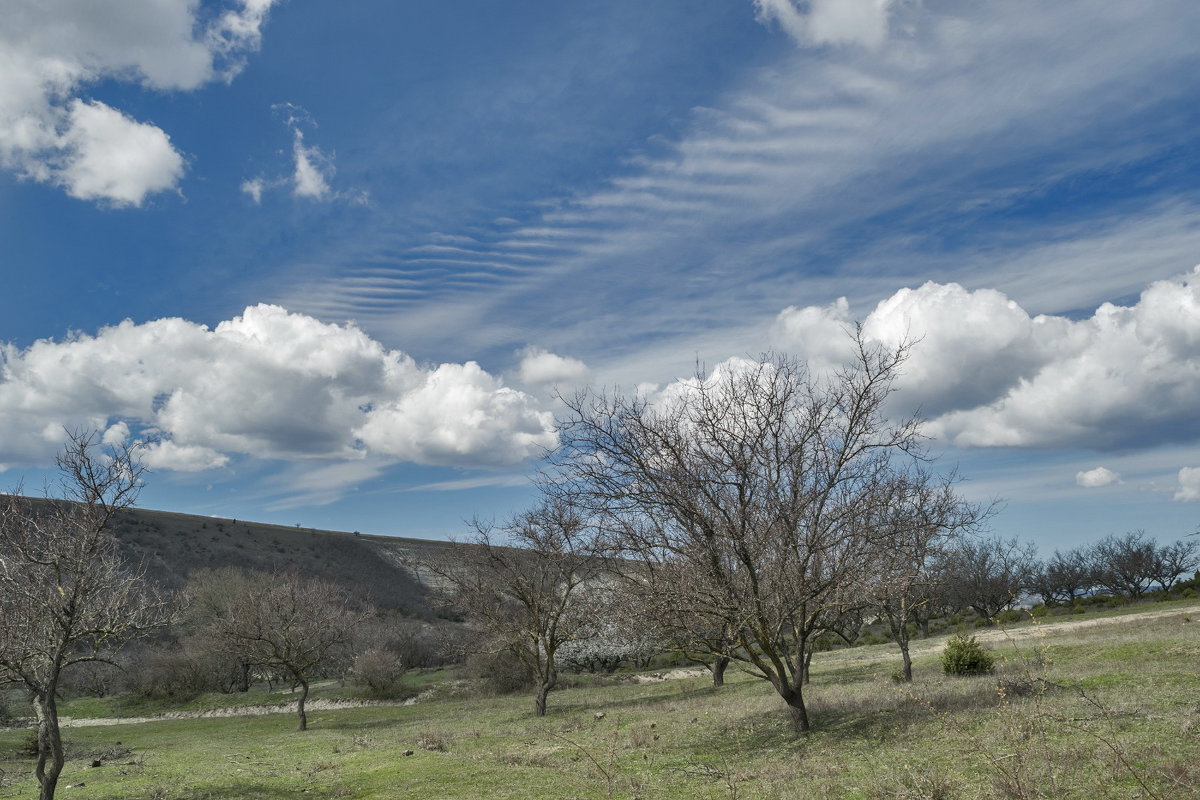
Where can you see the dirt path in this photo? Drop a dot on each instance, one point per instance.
(1072, 626)
(232, 711)
(286, 707)
(999, 637)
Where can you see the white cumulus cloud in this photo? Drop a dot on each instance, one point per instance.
(989, 374)
(268, 383)
(541, 368)
(1095, 478)
(1189, 485)
(52, 50)
(109, 156)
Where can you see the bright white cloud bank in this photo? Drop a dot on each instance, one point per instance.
(52, 50)
(1189, 485)
(268, 383)
(989, 374)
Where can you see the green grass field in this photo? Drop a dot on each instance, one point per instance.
(1088, 708)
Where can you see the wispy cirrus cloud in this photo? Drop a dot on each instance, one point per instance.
(837, 171)
(311, 169)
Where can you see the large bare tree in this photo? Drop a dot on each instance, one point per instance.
(66, 597)
(749, 495)
(531, 586)
(289, 623)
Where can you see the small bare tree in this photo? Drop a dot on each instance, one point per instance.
(1065, 576)
(208, 597)
(749, 495)
(920, 521)
(530, 586)
(989, 574)
(66, 597)
(1173, 560)
(288, 623)
(1125, 564)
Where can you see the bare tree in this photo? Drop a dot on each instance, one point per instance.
(1125, 564)
(920, 522)
(1173, 560)
(530, 586)
(208, 597)
(989, 575)
(1065, 576)
(288, 623)
(66, 597)
(748, 494)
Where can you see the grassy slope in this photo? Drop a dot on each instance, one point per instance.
(942, 737)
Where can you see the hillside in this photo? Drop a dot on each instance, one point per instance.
(172, 546)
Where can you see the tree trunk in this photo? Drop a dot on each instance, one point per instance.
(907, 661)
(244, 677)
(546, 683)
(796, 708)
(50, 747)
(805, 662)
(300, 705)
(718, 670)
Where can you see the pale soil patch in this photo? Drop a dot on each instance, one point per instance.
(671, 675)
(234, 711)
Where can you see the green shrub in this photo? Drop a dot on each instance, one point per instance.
(1010, 616)
(964, 656)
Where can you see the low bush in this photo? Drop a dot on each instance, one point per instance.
(965, 656)
(380, 673)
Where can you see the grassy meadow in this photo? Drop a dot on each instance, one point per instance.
(1089, 707)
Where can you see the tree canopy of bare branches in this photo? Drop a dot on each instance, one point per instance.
(752, 494)
(988, 575)
(1065, 576)
(1125, 564)
(1174, 560)
(919, 524)
(65, 595)
(530, 586)
(289, 623)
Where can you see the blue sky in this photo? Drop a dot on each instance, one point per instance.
(334, 256)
